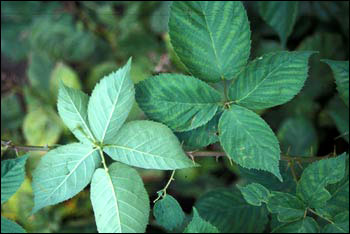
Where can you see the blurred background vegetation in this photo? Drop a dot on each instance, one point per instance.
(80, 42)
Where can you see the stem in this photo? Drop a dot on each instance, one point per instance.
(10, 145)
(103, 159)
(321, 216)
(162, 193)
(294, 174)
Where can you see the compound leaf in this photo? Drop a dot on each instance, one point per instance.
(181, 102)
(119, 200)
(12, 176)
(288, 207)
(199, 225)
(110, 104)
(212, 39)
(62, 173)
(249, 141)
(311, 186)
(72, 107)
(270, 80)
(306, 225)
(7, 226)
(255, 193)
(149, 145)
(168, 213)
(281, 16)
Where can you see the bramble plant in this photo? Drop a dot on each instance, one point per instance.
(219, 100)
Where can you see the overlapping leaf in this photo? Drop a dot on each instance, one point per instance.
(72, 108)
(8, 226)
(119, 200)
(62, 173)
(181, 102)
(340, 224)
(12, 176)
(212, 39)
(255, 193)
(240, 133)
(110, 104)
(311, 187)
(199, 225)
(280, 15)
(306, 225)
(270, 80)
(148, 144)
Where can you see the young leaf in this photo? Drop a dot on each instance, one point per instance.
(288, 207)
(254, 193)
(8, 226)
(12, 176)
(227, 210)
(181, 102)
(168, 213)
(110, 104)
(281, 16)
(249, 141)
(212, 39)
(149, 145)
(199, 225)
(119, 200)
(306, 225)
(62, 173)
(270, 80)
(341, 74)
(72, 108)
(340, 224)
(311, 187)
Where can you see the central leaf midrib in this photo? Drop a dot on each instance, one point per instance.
(114, 194)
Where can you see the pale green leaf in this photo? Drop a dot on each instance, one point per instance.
(168, 213)
(67, 75)
(306, 225)
(340, 224)
(270, 80)
(255, 193)
(298, 137)
(341, 73)
(227, 210)
(181, 102)
(8, 226)
(72, 107)
(62, 173)
(212, 39)
(280, 15)
(12, 176)
(311, 186)
(110, 104)
(199, 225)
(119, 200)
(149, 145)
(288, 207)
(249, 141)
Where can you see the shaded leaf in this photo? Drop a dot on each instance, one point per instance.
(255, 193)
(199, 225)
(307, 225)
(340, 225)
(8, 226)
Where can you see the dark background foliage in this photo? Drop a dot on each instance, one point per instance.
(82, 41)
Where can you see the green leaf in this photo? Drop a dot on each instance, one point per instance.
(72, 107)
(8, 226)
(119, 200)
(12, 176)
(110, 104)
(288, 207)
(281, 16)
(255, 193)
(341, 73)
(270, 80)
(62, 173)
(149, 145)
(307, 225)
(181, 102)
(212, 39)
(168, 213)
(230, 213)
(340, 225)
(199, 225)
(338, 111)
(311, 186)
(202, 136)
(298, 137)
(249, 141)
